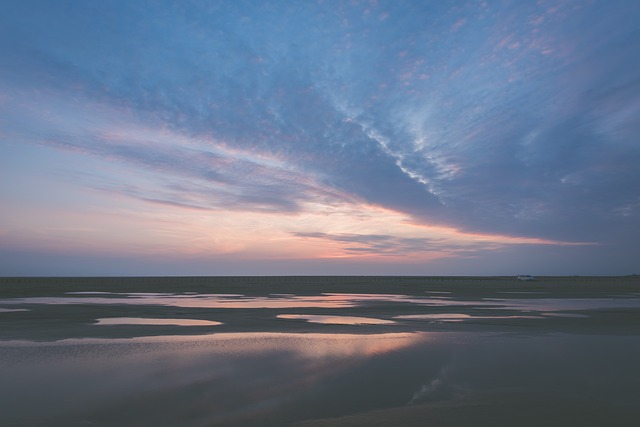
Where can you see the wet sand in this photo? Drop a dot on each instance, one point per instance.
(301, 285)
(501, 408)
(471, 296)
(319, 351)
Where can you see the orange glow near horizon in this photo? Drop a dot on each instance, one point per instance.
(98, 219)
(317, 232)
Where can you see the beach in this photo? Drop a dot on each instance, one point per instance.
(319, 351)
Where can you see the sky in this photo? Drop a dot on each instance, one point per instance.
(319, 137)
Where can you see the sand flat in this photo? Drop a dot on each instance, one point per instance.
(561, 350)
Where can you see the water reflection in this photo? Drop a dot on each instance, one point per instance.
(570, 315)
(559, 304)
(459, 317)
(148, 321)
(269, 379)
(336, 320)
(327, 300)
(213, 380)
(197, 301)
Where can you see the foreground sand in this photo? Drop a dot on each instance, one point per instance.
(498, 408)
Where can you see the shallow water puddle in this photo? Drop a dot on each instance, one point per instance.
(326, 300)
(162, 322)
(458, 317)
(336, 320)
(569, 315)
(559, 304)
(195, 301)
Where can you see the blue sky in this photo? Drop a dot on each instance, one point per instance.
(319, 137)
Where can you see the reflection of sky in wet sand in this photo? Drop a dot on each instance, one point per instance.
(458, 317)
(271, 379)
(336, 320)
(309, 345)
(557, 304)
(148, 321)
(90, 293)
(327, 300)
(571, 315)
(214, 380)
(11, 310)
(523, 292)
(199, 301)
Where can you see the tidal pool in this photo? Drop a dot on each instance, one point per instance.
(12, 310)
(459, 317)
(160, 322)
(336, 320)
(326, 300)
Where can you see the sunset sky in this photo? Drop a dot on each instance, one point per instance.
(319, 137)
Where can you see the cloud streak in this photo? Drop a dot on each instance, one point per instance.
(456, 244)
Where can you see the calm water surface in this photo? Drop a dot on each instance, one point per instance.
(397, 351)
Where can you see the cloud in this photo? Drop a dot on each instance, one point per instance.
(380, 244)
(202, 179)
(452, 243)
(164, 166)
(496, 119)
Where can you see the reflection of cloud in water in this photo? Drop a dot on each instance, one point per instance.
(90, 293)
(571, 315)
(309, 345)
(336, 320)
(219, 379)
(559, 304)
(439, 388)
(229, 300)
(328, 300)
(197, 301)
(11, 310)
(458, 317)
(260, 379)
(148, 321)
(449, 317)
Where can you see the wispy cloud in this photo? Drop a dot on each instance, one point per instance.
(456, 244)
(488, 118)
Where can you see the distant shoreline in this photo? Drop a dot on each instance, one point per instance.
(316, 284)
(322, 277)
